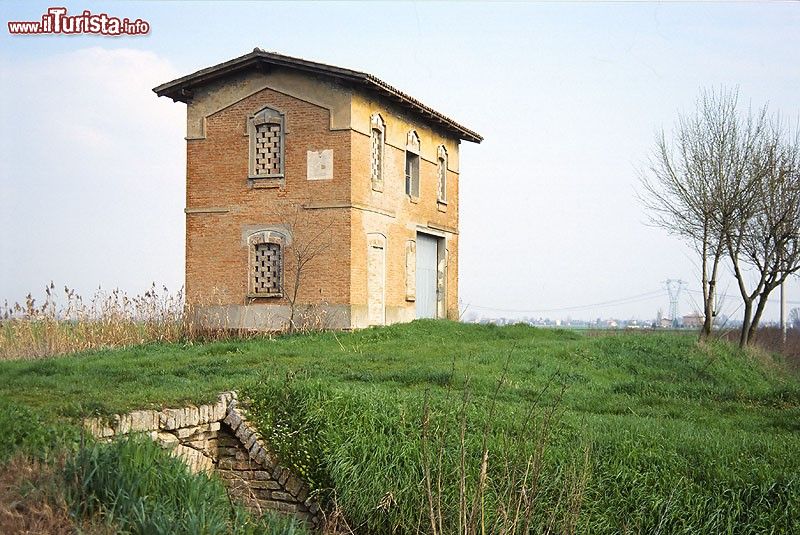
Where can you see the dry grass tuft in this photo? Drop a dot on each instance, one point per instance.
(26, 503)
(32, 502)
(769, 341)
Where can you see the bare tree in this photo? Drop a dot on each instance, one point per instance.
(310, 239)
(794, 318)
(698, 180)
(729, 184)
(765, 244)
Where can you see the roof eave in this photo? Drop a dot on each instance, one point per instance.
(180, 89)
(463, 132)
(176, 88)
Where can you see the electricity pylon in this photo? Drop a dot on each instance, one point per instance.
(674, 288)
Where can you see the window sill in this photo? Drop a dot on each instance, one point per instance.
(279, 176)
(264, 296)
(412, 199)
(441, 206)
(265, 183)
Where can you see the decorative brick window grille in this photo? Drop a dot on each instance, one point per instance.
(376, 151)
(441, 195)
(266, 264)
(268, 149)
(267, 269)
(266, 130)
(412, 165)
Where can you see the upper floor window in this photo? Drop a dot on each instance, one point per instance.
(267, 135)
(378, 130)
(412, 165)
(441, 194)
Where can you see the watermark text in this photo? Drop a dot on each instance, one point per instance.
(57, 21)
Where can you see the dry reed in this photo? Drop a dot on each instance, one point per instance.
(65, 322)
(70, 323)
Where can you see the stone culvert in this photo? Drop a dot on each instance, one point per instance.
(217, 438)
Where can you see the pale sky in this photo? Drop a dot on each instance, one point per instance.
(568, 97)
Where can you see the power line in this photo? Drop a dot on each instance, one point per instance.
(638, 298)
(621, 301)
(734, 298)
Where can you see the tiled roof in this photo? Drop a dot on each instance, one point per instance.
(181, 88)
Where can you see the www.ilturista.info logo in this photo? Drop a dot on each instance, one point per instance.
(56, 21)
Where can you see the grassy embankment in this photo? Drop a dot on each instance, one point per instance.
(53, 482)
(625, 433)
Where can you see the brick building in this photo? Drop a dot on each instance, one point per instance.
(316, 193)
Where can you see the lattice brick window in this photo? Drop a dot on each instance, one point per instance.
(441, 194)
(412, 174)
(268, 149)
(377, 160)
(412, 142)
(266, 130)
(267, 269)
(376, 151)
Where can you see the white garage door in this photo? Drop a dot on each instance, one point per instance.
(427, 259)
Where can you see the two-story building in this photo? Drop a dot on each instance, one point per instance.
(316, 193)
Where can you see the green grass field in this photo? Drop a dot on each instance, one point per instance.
(638, 433)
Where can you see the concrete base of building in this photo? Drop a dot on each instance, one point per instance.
(276, 317)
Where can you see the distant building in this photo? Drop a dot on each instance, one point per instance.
(694, 320)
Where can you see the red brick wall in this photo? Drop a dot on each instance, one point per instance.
(217, 177)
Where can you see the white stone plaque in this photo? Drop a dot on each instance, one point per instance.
(320, 164)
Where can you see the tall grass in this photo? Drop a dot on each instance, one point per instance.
(509, 490)
(439, 463)
(107, 319)
(771, 340)
(139, 488)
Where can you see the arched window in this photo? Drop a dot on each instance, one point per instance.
(267, 140)
(266, 263)
(441, 194)
(378, 131)
(412, 165)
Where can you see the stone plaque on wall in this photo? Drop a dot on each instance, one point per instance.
(320, 164)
